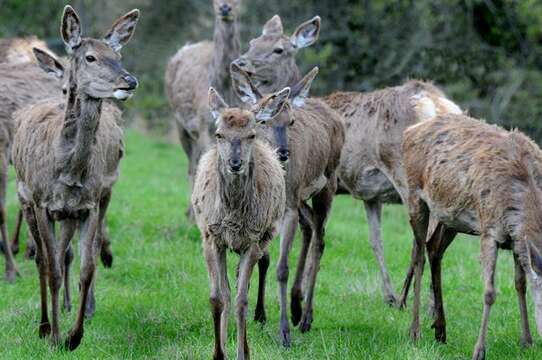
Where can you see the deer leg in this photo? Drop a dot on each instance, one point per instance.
(47, 236)
(521, 288)
(216, 295)
(30, 246)
(289, 226)
(263, 265)
(15, 238)
(401, 302)
(419, 221)
(41, 263)
(11, 267)
(87, 233)
(296, 293)
(226, 298)
(67, 229)
(373, 210)
(247, 262)
(187, 144)
(106, 254)
(488, 259)
(321, 204)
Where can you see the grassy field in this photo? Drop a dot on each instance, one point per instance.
(153, 303)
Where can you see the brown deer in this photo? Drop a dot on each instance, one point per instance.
(308, 136)
(466, 176)
(371, 156)
(238, 200)
(66, 158)
(19, 50)
(189, 74)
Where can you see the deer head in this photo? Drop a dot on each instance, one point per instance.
(236, 128)
(52, 66)
(270, 60)
(227, 10)
(249, 94)
(95, 68)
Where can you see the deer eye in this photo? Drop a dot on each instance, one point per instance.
(278, 51)
(252, 137)
(90, 58)
(219, 136)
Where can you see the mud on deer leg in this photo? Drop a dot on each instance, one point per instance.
(373, 210)
(521, 288)
(289, 226)
(87, 241)
(296, 293)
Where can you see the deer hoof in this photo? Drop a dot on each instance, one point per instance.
(107, 258)
(479, 353)
(415, 333)
(73, 340)
(45, 330)
(306, 322)
(285, 336)
(260, 316)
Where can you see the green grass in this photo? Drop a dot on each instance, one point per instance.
(153, 303)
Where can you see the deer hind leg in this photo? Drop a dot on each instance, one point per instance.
(321, 204)
(187, 144)
(41, 263)
(289, 227)
(246, 266)
(87, 233)
(436, 247)
(373, 210)
(401, 302)
(488, 259)
(67, 229)
(15, 246)
(306, 222)
(521, 288)
(47, 238)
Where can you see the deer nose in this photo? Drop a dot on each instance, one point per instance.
(284, 154)
(225, 9)
(131, 81)
(235, 165)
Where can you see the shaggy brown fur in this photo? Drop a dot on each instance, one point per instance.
(19, 50)
(238, 200)
(309, 140)
(189, 74)
(371, 156)
(470, 177)
(66, 156)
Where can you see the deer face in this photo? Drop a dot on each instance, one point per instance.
(280, 123)
(96, 68)
(227, 10)
(270, 60)
(236, 129)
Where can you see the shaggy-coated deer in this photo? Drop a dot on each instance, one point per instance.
(238, 200)
(190, 73)
(466, 176)
(19, 50)
(66, 157)
(371, 156)
(308, 136)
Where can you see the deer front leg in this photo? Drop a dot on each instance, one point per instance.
(289, 226)
(488, 259)
(373, 209)
(521, 288)
(216, 295)
(246, 265)
(47, 236)
(87, 235)
(106, 254)
(263, 265)
(296, 293)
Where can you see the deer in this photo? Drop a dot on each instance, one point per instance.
(238, 200)
(308, 137)
(66, 158)
(189, 74)
(467, 176)
(19, 50)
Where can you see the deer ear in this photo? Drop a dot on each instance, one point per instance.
(49, 63)
(300, 92)
(273, 26)
(70, 28)
(272, 106)
(243, 86)
(307, 33)
(216, 103)
(122, 30)
(535, 258)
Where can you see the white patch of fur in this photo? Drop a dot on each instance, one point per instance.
(122, 94)
(428, 107)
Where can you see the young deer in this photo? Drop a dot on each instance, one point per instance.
(189, 74)
(238, 201)
(308, 136)
(66, 157)
(465, 176)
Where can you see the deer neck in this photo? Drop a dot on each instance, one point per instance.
(78, 135)
(227, 48)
